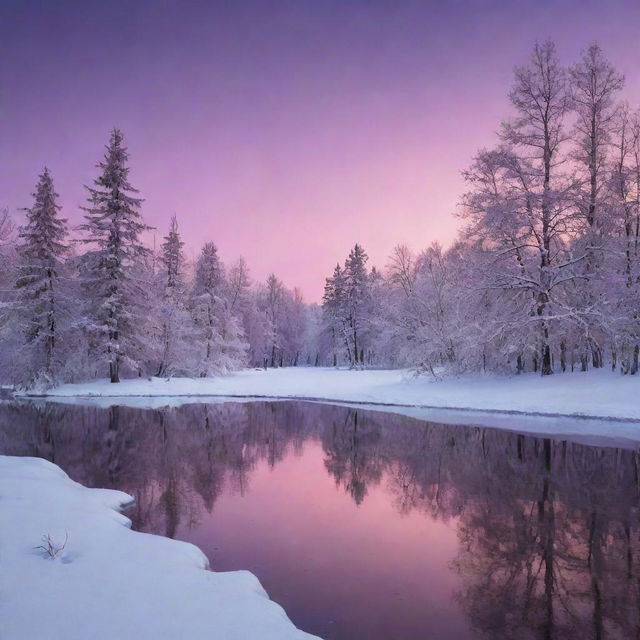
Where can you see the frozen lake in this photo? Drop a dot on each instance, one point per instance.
(370, 525)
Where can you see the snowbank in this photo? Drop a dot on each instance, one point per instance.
(553, 404)
(110, 582)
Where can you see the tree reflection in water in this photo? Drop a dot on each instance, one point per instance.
(548, 530)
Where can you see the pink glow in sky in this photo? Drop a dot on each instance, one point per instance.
(284, 131)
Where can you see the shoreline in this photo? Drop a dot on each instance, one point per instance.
(597, 404)
(160, 588)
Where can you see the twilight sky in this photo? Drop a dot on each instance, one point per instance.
(283, 130)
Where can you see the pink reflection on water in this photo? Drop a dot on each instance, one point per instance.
(334, 565)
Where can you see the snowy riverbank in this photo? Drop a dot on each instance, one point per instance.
(558, 404)
(110, 582)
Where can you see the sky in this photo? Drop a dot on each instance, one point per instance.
(283, 130)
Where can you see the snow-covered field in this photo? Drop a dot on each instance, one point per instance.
(559, 404)
(110, 582)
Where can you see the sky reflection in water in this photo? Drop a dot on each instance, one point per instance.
(370, 525)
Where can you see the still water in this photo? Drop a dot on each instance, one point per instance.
(366, 525)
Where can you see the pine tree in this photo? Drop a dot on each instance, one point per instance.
(334, 311)
(221, 332)
(274, 300)
(173, 257)
(357, 297)
(42, 250)
(174, 320)
(112, 271)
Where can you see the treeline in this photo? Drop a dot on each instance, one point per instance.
(103, 303)
(544, 276)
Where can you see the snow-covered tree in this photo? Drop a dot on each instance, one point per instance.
(274, 296)
(7, 228)
(621, 277)
(244, 303)
(172, 257)
(401, 269)
(519, 208)
(294, 327)
(334, 314)
(357, 299)
(175, 326)
(239, 285)
(112, 271)
(206, 299)
(224, 347)
(42, 249)
(348, 308)
(8, 261)
(594, 83)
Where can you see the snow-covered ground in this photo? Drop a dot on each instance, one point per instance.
(560, 404)
(110, 582)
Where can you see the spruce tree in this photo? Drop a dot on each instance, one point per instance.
(112, 271)
(172, 257)
(219, 327)
(334, 311)
(357, 299)
(174, 321)
(42, 250)
(206, 300)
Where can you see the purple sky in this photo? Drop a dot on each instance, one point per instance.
(281, 130)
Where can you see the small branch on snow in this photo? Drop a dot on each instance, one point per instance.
(50, 548)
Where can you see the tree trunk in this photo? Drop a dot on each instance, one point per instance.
(584, 362)
(114, 372)
(547, 369)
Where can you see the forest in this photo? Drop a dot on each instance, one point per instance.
(543, 277)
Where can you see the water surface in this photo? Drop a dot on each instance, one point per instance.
(369, 525)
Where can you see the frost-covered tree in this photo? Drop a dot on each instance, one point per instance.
(7, 228)
(8, 260)
(113, 269)
(313, 335)
(239, 285)
(348, 308)
(594, 84)
(294, 328)
(219, 328)
(431, 332)
(334, 314)
(621, 277)
(519, 209)
(244, 303)
(277, 325)
(42, 249)
(357, 300)
(274, 296)
(206, 299)
(402, 270)
(172, 257)
(175, 326)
